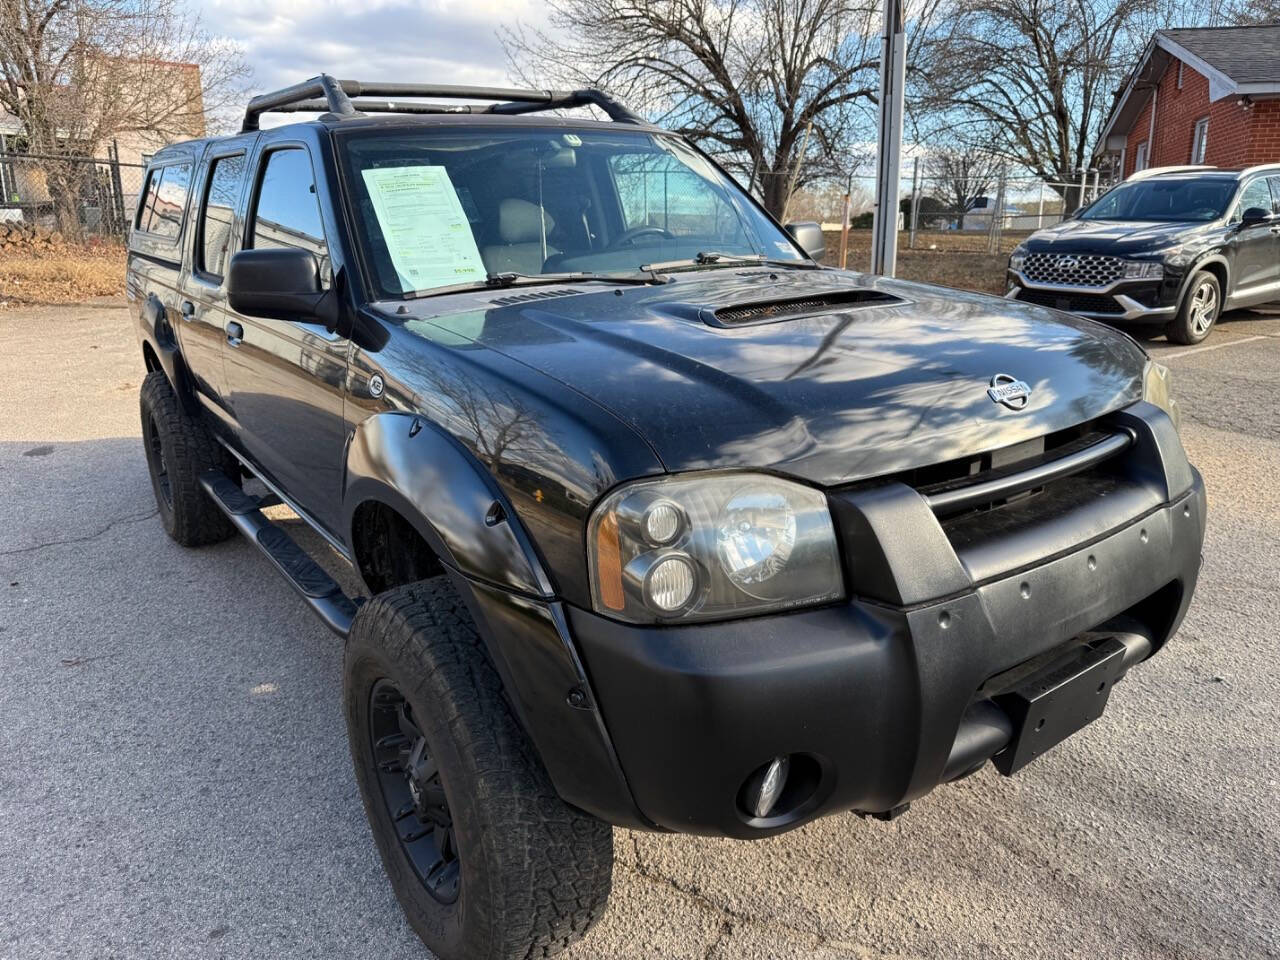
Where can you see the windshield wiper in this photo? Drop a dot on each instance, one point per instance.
(711, 258)
(498, 281)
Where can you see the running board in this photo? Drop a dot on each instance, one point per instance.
(316, 587)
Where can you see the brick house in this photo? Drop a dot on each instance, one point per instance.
(1198, 95)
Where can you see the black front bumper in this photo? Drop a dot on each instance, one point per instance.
(878, 695)
(1131, 302)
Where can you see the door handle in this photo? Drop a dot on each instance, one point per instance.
(235, 333)
(188, 309)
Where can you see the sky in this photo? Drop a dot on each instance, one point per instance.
(430, 41)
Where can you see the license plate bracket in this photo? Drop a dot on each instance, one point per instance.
(1056, 703)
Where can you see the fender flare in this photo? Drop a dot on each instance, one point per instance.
(407, 463)
(159, 335)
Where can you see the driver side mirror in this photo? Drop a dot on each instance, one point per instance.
(1254, 215)
(809, 235)
(279, 283)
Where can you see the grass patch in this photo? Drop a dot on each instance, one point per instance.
(64, 274)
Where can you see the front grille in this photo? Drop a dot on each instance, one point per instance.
(1072, 269)
(1074, 302)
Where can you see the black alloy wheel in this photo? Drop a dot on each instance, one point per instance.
(409, 781)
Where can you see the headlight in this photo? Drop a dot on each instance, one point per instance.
(1018, 258)
(1143, 270)
(708, 547)
(1157, 388)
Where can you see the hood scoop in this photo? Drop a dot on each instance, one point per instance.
(770, 311)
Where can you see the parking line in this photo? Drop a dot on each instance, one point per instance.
(1217, 346)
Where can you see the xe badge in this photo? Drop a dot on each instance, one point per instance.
(1013, 393)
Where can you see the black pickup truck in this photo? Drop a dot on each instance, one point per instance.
(662, 523)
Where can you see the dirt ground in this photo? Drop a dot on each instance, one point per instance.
(64, 274)
(74, 274)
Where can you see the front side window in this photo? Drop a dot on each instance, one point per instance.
(1164, 199)
(1200, 141)
(218, 214)
(1256, 194)
(287, 212)
(438, 208)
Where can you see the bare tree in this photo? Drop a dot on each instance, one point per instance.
(1040, 73)
(960, 174)
(748, 80)
(77, 73)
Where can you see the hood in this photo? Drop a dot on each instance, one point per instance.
(844, 394)
(1117, 237)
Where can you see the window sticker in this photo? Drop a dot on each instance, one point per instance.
(424, 226)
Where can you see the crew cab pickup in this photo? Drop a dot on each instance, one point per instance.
(662, 524)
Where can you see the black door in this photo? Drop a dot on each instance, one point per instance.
(286, 378)
(1256, 264)
(204, 299)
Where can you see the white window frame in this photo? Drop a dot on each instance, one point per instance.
(1180, 66)
(1140, 157)
(1200, 140)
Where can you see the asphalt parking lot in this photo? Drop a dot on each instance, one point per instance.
(175, 777)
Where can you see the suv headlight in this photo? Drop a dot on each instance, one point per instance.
(1143, 270)
(711, 546)
(1157, 388)
(1018, 258)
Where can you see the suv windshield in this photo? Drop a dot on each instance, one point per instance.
(439, 208)
(1176, 198)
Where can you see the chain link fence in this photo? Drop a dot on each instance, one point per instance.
(76, 197)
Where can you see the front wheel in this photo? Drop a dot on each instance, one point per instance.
(1199, 311)
(486, 860)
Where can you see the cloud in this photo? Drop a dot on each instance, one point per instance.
(432, 41)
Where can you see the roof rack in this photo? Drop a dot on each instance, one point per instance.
(324, 93)
(1159, 171)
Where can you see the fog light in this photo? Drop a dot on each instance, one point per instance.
(770, 788)
(670, 583)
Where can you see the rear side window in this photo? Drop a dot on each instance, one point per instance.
(148, 204)
(287, 213)
(218, 213)
(171, 201)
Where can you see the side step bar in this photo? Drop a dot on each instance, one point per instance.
(316, 587)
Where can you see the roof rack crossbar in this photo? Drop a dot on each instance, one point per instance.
(337, 93)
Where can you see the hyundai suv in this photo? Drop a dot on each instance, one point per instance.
(1166, 251)
(660, 523)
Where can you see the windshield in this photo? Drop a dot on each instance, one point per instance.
(438, 208)
(1175, 199)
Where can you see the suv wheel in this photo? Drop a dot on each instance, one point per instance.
(1199, 310)
(486, 860)
(179, 448)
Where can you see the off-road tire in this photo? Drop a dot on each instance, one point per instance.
(189, 450)
(1189, 326)
(535, 872)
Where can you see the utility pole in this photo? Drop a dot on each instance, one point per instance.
(795, 172)
(844, 229)
(884, 242)
(915, 201)
(997, 215)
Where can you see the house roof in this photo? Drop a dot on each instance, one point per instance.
(1238, 61)
(1244, 54)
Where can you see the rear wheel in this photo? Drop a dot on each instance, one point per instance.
(179, 448)
(1199, 311)
(486, 860)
